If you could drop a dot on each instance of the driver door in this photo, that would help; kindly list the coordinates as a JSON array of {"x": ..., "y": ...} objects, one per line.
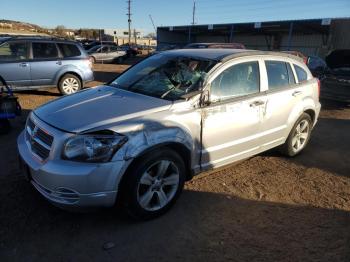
[{"x": 232, "y": 122}]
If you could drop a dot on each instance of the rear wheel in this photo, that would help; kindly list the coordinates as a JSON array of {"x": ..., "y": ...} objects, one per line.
[
  {"x": 298, "y": 137},
  {"x": 119, "y": 60},
  {"x": 154, "y": 184},
  {"x": 69, "y": 84}
]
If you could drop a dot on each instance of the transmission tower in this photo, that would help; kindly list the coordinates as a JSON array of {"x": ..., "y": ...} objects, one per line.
[{"x": 129, "y": 19}]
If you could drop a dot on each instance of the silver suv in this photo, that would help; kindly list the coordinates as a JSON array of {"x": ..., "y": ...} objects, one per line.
[{"x": 164, "y": 120}]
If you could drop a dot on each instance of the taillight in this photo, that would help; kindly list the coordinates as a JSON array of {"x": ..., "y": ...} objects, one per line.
[
  {"x": 90, "y": 61},
  {"x": 319, "y": 87},
  {"x": 305, "y": 60}
]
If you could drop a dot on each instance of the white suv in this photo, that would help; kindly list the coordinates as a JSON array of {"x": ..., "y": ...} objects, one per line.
[{"x": 167, "y": 118}]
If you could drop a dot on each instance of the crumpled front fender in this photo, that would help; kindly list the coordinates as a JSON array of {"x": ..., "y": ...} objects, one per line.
[{"x": 150, "y": 136}]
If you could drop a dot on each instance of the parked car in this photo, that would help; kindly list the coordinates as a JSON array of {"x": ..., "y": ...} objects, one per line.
[
  {"x": 91, "y": 43},
  {"x": 216, "y": 45},
  {"x": 317, "y": 66},
  {"x": 131, "y": 50},
  {"x": 336, "y": 78},
  {"x": 34, "y": 62},
  {"x": 106, "y": 54},
  {"x": 167, "y": 118}
]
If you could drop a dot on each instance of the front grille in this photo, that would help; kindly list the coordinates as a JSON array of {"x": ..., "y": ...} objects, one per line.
[{"x": 39, "y": 140}]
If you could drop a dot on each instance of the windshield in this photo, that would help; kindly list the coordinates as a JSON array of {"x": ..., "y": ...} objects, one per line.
[{"x": 165, "y": 76}]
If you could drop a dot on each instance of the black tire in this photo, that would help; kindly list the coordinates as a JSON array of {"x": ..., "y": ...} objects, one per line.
[
  {"x": 119, "y": 60},
  {"x": 131, "y": 184},
  {"x": 287, "y": 148},
  {"x": 5, "y": 126},
  {"x": 69, "y": 77}
]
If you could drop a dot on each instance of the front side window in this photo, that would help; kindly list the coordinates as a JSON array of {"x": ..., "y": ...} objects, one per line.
[
  {"x": 69, "y": 50},
  {"x": 278, "y": 74},
  {"x": 301, "y": 73},
  {"x": 13, "y": 51},
  {"x": 238, "y": 80},
  {"x": 165, "y": 76},
  {"x": 44, "y": 50}
]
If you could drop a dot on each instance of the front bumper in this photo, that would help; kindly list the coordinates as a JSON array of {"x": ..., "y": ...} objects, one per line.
[{"x": 69, "y": 184}]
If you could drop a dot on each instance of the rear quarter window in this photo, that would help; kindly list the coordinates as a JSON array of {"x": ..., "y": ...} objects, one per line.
[
  {"x": 69, "y": 50},
  {"x": 301, "y": 73}
]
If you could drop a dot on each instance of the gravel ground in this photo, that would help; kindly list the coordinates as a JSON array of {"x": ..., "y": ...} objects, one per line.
[{"x": 267, "y": 208}]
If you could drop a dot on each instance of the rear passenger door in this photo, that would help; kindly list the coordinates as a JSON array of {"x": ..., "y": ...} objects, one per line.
[
  {"x": 14, "y": 63},
  {"x": 283, "y": 94},
  {"x": 45, "y": 63}
]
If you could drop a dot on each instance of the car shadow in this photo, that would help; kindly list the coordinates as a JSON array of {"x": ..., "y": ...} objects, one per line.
[
  {"x": 329, "y": 144},
  {"x": 40, "y": 92},
  {"x": 202, "y": 226}
]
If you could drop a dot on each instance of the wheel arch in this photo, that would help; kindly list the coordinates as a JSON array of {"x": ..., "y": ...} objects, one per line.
[{"x": 177, "y": 147}]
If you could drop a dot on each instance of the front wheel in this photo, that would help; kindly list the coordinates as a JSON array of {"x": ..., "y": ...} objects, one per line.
[
  {"x": 154, "y": 184},
  {"x": 69, "y": 84},
  {"x": 298, "y": 137}
]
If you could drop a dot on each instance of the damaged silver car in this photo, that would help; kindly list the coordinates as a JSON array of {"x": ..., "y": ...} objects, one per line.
[{"x": 137, "y": 139}]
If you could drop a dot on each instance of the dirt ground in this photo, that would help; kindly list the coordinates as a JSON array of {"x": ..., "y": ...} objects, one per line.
[{"x": 267, "y": 208}]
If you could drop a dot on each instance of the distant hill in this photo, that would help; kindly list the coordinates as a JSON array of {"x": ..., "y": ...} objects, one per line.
[{"x": 10, "y": 26}]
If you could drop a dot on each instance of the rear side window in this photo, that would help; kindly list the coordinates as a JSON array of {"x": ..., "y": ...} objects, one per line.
[
  {"x": 278, "y": 74},
  {"x": 301, "y": 73},
  {"x": 69, "y": 50},
  {"x": 13, "y": 51},
  {"x": 44, "y": 50},
  {"x": 237, "y": 80}
]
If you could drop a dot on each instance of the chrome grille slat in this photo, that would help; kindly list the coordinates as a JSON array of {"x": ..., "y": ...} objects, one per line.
[{"x": 39, "y": 141}]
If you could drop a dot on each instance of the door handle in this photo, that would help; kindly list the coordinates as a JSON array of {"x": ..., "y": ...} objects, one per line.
[
  {"x": 257, "y": 103},
  {"x": 59, "y": 62},
  {"x": 297, "y": 93},
  {"x": 23, "y": 64}
]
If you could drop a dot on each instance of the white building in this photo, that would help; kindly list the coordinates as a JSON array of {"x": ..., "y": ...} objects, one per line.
[{"x": 123, "y": 33}]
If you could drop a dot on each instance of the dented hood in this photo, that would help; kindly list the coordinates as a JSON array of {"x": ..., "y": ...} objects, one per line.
[{"x": 96, "y": 107}]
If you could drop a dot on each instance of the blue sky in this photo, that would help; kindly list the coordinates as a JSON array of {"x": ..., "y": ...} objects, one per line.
[{"x": 112, "y": 13}]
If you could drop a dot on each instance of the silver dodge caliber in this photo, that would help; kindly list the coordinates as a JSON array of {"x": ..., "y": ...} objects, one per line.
[{"x": 137, "y": 139}]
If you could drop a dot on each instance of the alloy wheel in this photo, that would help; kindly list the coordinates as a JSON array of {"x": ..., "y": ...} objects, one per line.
[
  {"x": 301, "y": 135},
  {"x": 158, "y": 185},
  {"x": 70, "y": 85}
]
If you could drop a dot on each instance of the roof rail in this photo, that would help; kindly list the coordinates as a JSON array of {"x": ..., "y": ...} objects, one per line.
[{"x": 48, "y": 37}]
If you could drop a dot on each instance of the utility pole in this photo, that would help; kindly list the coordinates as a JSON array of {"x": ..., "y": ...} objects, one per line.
[
  {"x": 193, "y": 12},
  {"x": 129, "y": 19}
]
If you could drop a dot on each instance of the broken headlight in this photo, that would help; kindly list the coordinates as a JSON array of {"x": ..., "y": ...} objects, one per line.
[{"x": 92, "y": 147}]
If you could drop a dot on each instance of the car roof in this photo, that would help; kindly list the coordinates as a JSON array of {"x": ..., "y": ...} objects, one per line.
[
  {"x": 223, "y": 54},
  {"x": 194, "y": 44},
  {"x": 38, "y": 38}
]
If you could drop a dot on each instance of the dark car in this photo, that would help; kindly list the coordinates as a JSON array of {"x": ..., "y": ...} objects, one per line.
[
  {"x": 131, "y": 50},
  {"x": 317, "y": 66},
  {"x": 34, "y": 62},
  {"x": 335, "y": 84},
  {"x": 215, "y": 45}
]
